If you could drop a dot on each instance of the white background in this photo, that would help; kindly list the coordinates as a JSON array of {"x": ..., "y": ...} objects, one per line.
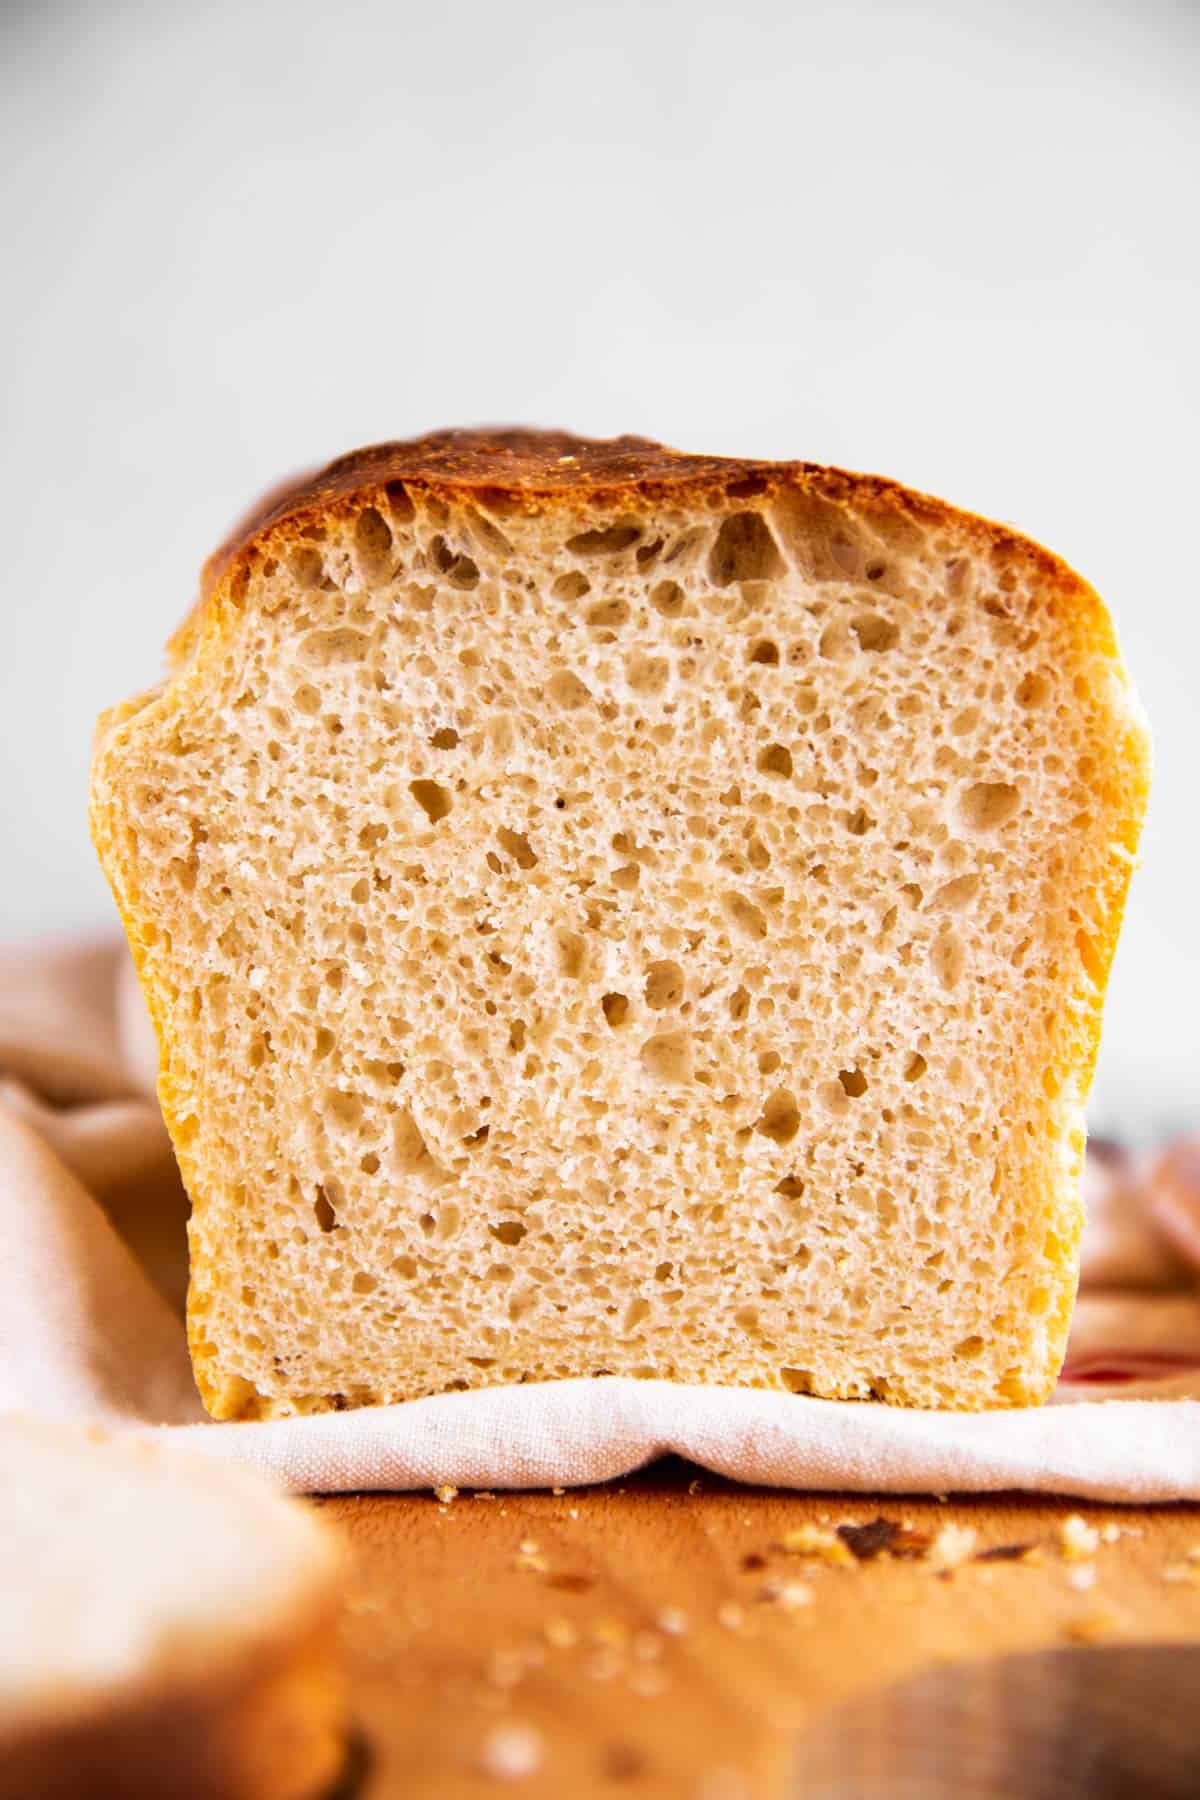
[{"x": 954, "y": 243}]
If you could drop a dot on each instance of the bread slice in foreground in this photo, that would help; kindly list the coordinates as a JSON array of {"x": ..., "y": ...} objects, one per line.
[
  {"x": 166, "y": 1626},
  {"x": 611, "y": 911}
]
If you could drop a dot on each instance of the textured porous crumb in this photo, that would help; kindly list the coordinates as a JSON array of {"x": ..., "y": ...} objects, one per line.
[{"x": 655, "y": 927}]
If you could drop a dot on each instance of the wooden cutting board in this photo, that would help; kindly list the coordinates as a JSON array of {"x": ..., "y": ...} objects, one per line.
[{"x": 641, "y": 1637}]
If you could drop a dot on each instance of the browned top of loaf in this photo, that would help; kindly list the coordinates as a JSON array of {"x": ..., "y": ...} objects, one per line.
[{"x": 511, "y": 468}]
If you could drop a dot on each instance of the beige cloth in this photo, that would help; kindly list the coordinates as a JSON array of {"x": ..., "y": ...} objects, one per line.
[{"x": 93, "y": 1264}]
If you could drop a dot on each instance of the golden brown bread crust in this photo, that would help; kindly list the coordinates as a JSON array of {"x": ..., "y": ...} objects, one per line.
[{"x": 505, "y": 468}]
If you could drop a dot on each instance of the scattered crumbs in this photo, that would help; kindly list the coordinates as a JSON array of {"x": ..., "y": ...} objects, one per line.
[
  {"x": 694, "y": 1486},
  {"x": 942, "y": 1499},
  {"x": 1186, "y": 1574},
  {"x": 731, "y": 1615},
  {"x": 505, "y": 1668},
  {"x": 1193, "y": 1555},
  {"x": 560, "y": 1633},
  {"x": 953, "y": 1546},
  {"x": 647, "y": 1683},
  {"x": 1082, "y": 1577},
  {"x": 511, "y": 1752},
  {"x": 788, "y": 1596},
  {"x": 1006, "y": 1553},
  {"x": 824, "y": 1518},
  {"x": 445, "y": 1493},
  {"x": 1077, "y": 1539},
  {"x": 1091, "y": 1627},
  {"x": 673, "y": 1620},
  {"x": 530, "y": 1558},
  {"x": 573, "y": 1513},
  {"x": 1109, "y": 1533},
  {"x": 622, "y": 1762},
  {"x": 558, "y": 1492},
  {"x": 753, "y": 1561},
  {"x": 602, "y": 1664},
  {"x": 817, "y": 1543},
  {"x": 647, "y": 1646},
  {"x": 483, "y": 1494}
]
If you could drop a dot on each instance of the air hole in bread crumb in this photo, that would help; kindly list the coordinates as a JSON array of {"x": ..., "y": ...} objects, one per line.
[
  {"x": 768, "y": 1062},
  {"x": 664, "y": 1271},
  {"x": 606, "y": 541},
  {"x": 373, "y": 542},
  {"x": 307, "y": 699},
  {"x": 445, "y": 739},
  {"x": 627, "y": 876},
  {"x": 874, "y": 632},
  {"x": 780, "y": 1120},
  {"x": 363, "y": 1283},
  {"x": 775, "y": 759},
  {"x": 664, "y": 985},
  {"x": 570, "y": 950},
  {"x": 797, "y": 1381},
  {"x": 323, "y": 1211},
  {"x": 508, "y": 1231},
  {"x": 615, "y": 1008},
  {"x": 744, "y": 550},
  {"x": 745, "y": 915},
  {"x": 915, "y": 1067},
  {"x": 369, "y": 1164},
  {"x": 608, "y": 613},
  {"x": 460, "y": 571},
  {"x": 433, "y": 799},
  {"x": 765, "y": 651},
  {"x": 345, "y": 1108},
  {"x": 567, "y": 691},
  {"x": 517, "y": 845},
  {"x": 325, "y": 1041},
  {"x": 1032, "y": 689},
  {"x": 306, "y": 567},
  {"x": 969, "y": 1347},
  {"x": 791, "y": 1187},
  {"x": 666, "y": 597},
  {"x": 738, "y": 1004},
  {"x": 635, "y": 1313},
  {"x": 859, "y": 822},
  {"x": 854, "y": 1082},
  {"x": 988, "y": 805},
  {"x": 668, "y": 1057},
  {"x": 572, "y": 586},
  {"x": 948, "y": 959}
]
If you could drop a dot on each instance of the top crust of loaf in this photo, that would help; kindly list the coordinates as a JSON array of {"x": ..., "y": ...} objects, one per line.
[{"x": 507, "y": 468}]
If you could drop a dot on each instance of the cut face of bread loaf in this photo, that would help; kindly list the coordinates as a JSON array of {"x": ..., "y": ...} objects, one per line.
[
  {"x": 166, "y": 1626},
  {"x": 608, "y": 911}
]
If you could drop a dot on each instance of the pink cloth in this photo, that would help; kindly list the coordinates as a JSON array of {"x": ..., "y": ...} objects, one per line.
[{"x": 92, "y": 1262}]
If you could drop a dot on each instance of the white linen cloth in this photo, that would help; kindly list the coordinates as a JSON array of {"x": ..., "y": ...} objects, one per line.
[{"x": 91, "y": 1271}]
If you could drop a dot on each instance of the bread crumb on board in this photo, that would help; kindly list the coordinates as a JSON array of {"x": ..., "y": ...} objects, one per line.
[
  {"x": 445, "y": 1493},
  {"x": 951, "y": 1548},
  {"x": 511, "y": 1752},
  {"x": 1077, "y": 1540}
]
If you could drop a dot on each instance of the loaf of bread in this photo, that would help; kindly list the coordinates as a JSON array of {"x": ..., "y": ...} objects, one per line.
[
  {"x": 613, "y": 911},
  {"x": 165, "y": 1627}
]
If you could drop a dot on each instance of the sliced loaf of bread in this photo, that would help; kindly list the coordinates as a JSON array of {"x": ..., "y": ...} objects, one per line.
[
  {"x": 612, "y": 911},
  {"x": 166, "y": 1626}
]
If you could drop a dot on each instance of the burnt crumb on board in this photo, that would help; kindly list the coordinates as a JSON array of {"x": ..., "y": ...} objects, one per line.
[
  {"x": 1005, "y": 1553},
  {"x": 882, "y": 1536}
]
